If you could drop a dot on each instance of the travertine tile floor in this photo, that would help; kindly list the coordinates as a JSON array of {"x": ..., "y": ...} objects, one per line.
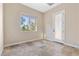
[{"x": 40, "y": 48}]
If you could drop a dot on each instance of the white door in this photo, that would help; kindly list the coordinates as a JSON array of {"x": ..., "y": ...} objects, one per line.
[
  {"x": 1, "y": 29},
  {"x": 59, "y": 26}
]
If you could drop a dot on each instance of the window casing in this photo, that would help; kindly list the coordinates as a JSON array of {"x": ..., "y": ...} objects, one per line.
[{"x": 28, "y": 23}]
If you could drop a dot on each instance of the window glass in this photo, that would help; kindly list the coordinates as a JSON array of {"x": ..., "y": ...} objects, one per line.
[{"x": 28, "y": 23}]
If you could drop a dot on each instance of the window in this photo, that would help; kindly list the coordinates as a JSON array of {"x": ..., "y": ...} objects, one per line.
[{"x": 28, "y": 23}]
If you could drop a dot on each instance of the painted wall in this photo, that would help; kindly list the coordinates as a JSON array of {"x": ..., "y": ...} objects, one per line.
[
  {"x": 71, "y": 23},
  {"x": 1, "y": 28},
  {"x": 13, "y": 33}
]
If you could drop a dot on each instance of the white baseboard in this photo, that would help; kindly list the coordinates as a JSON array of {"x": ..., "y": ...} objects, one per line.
[
  {"x": 75, "y": 46},
  {"x": 71, "y": 45},
  {"x": 20, "y": 42},
  {"x": 1, "y": 51}
]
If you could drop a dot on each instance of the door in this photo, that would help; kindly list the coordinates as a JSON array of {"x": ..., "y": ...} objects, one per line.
[{"x": 59, "y": 26}]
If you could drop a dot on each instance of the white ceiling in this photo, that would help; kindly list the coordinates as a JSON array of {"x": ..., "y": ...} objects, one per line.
[{"x": 42, "y": 7}]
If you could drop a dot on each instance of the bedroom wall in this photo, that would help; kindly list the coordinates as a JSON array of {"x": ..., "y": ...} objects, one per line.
[
  {"x": 13, "y": 34},
  {"x": 1, "y": 28},
  {"x": 71, "y": 23}
]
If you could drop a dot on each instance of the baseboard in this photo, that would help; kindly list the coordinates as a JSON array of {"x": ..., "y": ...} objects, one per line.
[
  {"x": 74, "y": 46},
  {"x": 20, "y": 42},
  {"x": 1, "y": 51},
  {"x": 71, "y": 45}
]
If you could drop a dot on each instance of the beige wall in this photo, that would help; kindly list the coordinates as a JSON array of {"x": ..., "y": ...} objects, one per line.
[
  {"x": 13, "y": 33},
  {"x": 71, "y": 23},
  {"x": 1, "y": 28}
]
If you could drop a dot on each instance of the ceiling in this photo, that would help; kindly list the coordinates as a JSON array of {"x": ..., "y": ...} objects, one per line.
[{"x": 42, "y": 7}]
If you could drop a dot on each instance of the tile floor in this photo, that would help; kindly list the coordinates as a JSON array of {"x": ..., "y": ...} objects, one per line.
[{"x": 40, "y": 48}]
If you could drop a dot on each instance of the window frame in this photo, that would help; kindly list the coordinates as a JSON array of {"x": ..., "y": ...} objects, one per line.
[{"x": 30, "y": 17}]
